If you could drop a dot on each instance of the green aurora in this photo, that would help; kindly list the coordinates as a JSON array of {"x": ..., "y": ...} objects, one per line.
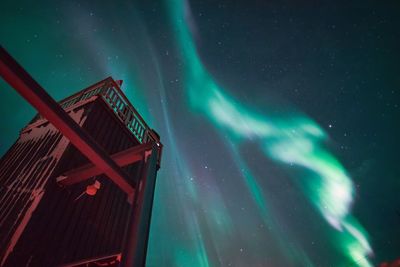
[
  {"x": 296, "y": 141},
  {"x": 241, "y": 183}
]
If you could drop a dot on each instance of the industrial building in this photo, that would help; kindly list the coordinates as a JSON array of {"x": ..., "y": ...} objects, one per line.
[{"x": 76, "y": 188}]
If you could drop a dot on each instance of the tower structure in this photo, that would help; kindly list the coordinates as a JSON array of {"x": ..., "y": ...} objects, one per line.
[{"x": 63, "y": 204}]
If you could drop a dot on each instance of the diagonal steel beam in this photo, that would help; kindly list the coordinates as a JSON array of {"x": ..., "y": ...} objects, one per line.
[
  {"x": 123, "y": 158},
  {"x": 27, "y": 87}
]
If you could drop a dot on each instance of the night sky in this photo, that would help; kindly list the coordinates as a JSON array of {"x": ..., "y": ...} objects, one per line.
[{"x": 280, "y": 120}]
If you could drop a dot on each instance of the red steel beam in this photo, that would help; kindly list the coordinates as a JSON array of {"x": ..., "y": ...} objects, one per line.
[
  {"x": 122, "y": 158},
  {"x": 137, "y": 235},
  {"x": 26, "y": 86},
  {"x": 111, "y": 260}
]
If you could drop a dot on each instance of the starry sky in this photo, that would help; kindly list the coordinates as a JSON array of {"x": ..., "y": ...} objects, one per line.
[{"x": 279, "y": 118}]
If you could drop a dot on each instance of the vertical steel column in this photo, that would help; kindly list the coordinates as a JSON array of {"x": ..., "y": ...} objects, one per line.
[{"x": 135, "y": 248}]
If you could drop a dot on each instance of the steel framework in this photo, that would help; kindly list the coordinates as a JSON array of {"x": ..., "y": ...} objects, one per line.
[{"x": 140, "y": 195}]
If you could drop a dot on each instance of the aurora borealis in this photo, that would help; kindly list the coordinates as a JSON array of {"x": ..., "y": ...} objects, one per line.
[{"x": 279, "y": 120}]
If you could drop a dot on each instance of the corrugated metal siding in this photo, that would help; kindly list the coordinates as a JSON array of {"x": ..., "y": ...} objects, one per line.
[
  {"x": 65, "y": 227},
  {"x": 23, "y": 173}
]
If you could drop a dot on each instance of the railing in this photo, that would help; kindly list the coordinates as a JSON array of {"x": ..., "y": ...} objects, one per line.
[
  {"x": 117, "y": 100},
  {"x": 126, "y": 113},
  {"x": 80, "y": 96},
  {"x": 85, "y": 95}
]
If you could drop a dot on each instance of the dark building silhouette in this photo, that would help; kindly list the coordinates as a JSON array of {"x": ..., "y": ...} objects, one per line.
[
  {"x": 59, "y": 209},
  {"x": 395, "y": 263}
]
